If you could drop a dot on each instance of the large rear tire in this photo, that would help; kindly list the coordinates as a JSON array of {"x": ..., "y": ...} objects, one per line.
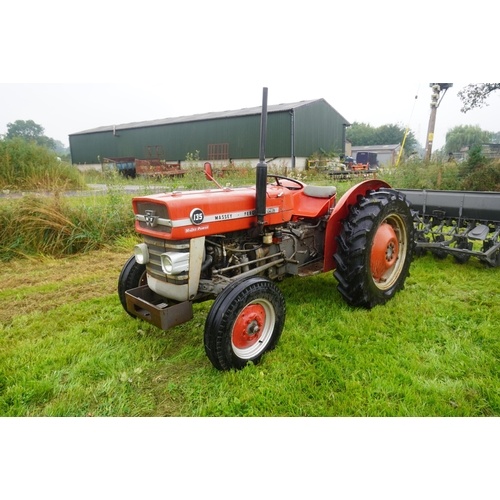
[
  {"x": 245, "y": 321},
  {"x": 132, "y": 275},
  {"x": 375, "y": 248}
]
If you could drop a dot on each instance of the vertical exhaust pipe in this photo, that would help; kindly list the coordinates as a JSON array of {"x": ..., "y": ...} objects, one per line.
[{"x": 261, "y": 180}]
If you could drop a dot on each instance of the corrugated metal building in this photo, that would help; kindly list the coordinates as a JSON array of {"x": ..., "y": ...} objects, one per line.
[
  {"x": 387, "y": 154},
  {"x": 295, "y": 130}
]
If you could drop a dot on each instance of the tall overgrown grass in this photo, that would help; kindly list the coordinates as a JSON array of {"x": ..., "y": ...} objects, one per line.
[
  {"x": 54, "y": 225},
  {"x": 28, "y": 166},
  {"x": 57, "y": 225},
  {"x": 478, "y": 173}
]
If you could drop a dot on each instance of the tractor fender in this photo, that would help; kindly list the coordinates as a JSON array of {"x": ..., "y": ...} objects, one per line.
[{"x": 340, "y": 212}]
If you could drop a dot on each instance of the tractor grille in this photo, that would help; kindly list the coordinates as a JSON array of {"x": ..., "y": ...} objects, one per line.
[
  {"x": 156, "y": 210},
  {"x": 156, "y": 247}
]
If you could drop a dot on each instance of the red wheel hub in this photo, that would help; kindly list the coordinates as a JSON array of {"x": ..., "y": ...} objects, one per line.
[
  {"x": 385, "y": 251},
  {"x": 248, "y": 326}
]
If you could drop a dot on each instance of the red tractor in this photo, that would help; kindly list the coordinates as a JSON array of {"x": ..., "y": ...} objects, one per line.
[{"x": 232, "y": 245}]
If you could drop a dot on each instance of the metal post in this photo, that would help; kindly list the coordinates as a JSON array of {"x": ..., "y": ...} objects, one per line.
[
  {"x": 432, "y": 122},
  {"x": 292, "y": 146},
  {"x": 430, "y": 134},
  {"x": 435, "y": 101},
  {"x": 261, "y": 175}
]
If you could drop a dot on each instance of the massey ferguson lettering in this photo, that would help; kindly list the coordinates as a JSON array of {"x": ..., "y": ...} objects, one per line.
[{"x": 230, "y": 216}]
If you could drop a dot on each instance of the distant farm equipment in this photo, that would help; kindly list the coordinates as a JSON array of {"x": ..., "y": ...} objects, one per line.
[
  {"x": 365, "y": 163},
  {"x": 124, "y": 166},
  {"x": 132, "y": 167},
  {"x": 158, "y": 168}
]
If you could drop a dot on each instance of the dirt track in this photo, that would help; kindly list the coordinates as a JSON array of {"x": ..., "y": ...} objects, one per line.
[{"x": 94, "y": 189}]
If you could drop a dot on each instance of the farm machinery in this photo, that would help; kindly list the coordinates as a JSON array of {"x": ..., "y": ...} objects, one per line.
[
  {"x": 365, "y": 163},
  {"x": 232, "y": 245},
  {"x": 463, "y": 224}
]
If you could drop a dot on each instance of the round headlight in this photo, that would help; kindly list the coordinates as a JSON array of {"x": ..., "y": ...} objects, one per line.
[
  {"x": 141, "y": 253},
  {"x": 166, "y": 263},
  {"x": 174, "y": 262}
]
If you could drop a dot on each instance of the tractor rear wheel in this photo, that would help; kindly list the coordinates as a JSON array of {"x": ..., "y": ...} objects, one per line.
[
  {"x": 375, "y": 248},
  {"x": 133, "y": 275},
  {"x": 245, "y": 321}
]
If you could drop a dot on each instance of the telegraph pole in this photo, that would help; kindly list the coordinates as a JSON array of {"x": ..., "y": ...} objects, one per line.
[{"x": 435, "y": 101}]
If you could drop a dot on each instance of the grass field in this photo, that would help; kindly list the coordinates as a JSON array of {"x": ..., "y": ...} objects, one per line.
[{"x": 67, "y": 348}]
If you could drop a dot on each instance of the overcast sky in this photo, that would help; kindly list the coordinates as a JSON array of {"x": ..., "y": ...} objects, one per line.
[
  {"x": 160, "y": 60},
  {"x": 66, "y": 108}
]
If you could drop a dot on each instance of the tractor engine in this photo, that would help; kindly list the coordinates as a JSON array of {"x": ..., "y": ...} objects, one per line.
[{"x": 293, "y": 245}]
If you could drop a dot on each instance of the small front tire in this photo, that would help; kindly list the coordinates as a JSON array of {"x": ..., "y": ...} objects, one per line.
[
  {"x": 133, "y": 275},
  {"x": 245, "y": 321}
]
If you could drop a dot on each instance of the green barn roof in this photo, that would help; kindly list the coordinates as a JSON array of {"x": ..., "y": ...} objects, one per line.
[{"x": 275, "y": 108}]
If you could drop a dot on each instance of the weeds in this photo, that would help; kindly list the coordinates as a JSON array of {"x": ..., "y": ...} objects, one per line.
[
  {"x": 28, "y": 166},
  {"x": 57, "y": 226},
  {"x": 60, "y": 226},
  {"x": 476, "y": 174},
  {"x": 479, "y": 172}
]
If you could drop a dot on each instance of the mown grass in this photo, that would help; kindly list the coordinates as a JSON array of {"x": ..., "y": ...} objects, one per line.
[{"x": 67, "y": 348}]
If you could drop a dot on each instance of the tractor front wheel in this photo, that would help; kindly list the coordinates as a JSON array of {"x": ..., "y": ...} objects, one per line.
[
  {"x": 375, "y": 248},
  {"x": 245, "y": 321},
  {"x": 133, "y": 275}
]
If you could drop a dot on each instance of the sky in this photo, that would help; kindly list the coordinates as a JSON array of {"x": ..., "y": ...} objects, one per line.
[
  {"x": 67, "y": 108},
  {"x": 110, "y": 63}
]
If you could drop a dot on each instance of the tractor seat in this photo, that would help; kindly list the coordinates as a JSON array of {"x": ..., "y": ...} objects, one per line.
[
  {"x": 313, "y": 202},
  {"x": 320, "y": 191}
]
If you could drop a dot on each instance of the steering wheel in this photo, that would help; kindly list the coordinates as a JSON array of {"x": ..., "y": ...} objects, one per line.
[{"x": 299, "y": 185}]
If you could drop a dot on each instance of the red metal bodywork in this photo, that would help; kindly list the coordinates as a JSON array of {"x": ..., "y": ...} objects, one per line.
[
  {"x": 340, "y": 212},
  {"x": 224, "y": 210},
  {"x": 229, "y": 210}
]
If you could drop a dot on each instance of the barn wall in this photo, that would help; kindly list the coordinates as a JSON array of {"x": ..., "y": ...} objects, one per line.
[{"x": 317, "y": 126}]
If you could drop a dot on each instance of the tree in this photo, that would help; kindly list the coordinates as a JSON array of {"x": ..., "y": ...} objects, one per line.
[
  {"x": 362, "y": 134},
  {"x": 60, "y": 148},
  {"x": 29, "y": 131},
  {"x": 466, "y": 135},
  {"x": 474, "y": 95}
]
